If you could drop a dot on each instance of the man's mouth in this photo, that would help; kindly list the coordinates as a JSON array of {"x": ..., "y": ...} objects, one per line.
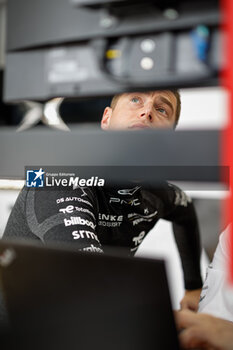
[{"x": 139, "y": 126}]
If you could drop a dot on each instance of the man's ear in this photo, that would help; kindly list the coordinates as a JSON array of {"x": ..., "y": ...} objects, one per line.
[{"x": 106, "y": 118}]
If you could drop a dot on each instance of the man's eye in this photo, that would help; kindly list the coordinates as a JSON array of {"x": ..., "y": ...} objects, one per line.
[
  {"x": 162, "y": 110},
  {"x": 135, "y": 100}
]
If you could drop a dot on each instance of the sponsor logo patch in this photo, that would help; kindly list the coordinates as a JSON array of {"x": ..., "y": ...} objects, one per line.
[
  {"x": 136, "y": 218},
  {"x": 128, "y": 191},
  {"x": 138, "y": 240},
  {"x": 70, "y": 209},
  {"x": 110, "y": 220},
  {"x": 132, "y": 202},
  {"x": 77, "y": 220},
  {"x": 73, "y": 199},
  {"x": 82, "y": 234},
  {"x": 92, "y": 249}
]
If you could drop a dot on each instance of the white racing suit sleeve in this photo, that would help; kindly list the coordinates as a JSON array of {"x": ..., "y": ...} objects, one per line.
[{"x": 217, "y": 294}]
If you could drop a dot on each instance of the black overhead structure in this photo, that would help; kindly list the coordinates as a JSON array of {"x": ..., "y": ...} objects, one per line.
[
  {"x": 86, "y": 48},
  {"x": 115, "y": 156},
  {"x": 79, "y": 48}
]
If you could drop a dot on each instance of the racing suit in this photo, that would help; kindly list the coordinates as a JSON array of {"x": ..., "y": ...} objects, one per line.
[{"x": 93, "y": 218}]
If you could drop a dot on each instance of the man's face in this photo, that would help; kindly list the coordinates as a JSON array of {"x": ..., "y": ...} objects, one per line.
[{"x": 138, "y": 110}]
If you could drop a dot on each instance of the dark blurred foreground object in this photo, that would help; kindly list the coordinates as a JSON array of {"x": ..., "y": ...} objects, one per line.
[
  {"x": 90, "y": 48},
  {"x": 61, "y": 299}
]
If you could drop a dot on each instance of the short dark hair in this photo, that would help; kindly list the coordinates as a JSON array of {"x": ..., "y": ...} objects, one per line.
[{"x": 175, "y": 92}]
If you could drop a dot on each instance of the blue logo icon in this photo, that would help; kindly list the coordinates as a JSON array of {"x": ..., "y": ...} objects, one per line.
[{"x": 35, "y": 178}]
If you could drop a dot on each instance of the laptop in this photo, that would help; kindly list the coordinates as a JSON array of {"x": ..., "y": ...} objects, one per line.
[{"x": 62, "y": 299}]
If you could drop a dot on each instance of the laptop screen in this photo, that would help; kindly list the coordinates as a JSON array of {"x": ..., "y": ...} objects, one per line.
[{"x": 61, "y": 299}]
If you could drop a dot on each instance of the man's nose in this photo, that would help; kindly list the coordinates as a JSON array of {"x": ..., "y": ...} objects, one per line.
[{"x": 147, "y": 113}]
